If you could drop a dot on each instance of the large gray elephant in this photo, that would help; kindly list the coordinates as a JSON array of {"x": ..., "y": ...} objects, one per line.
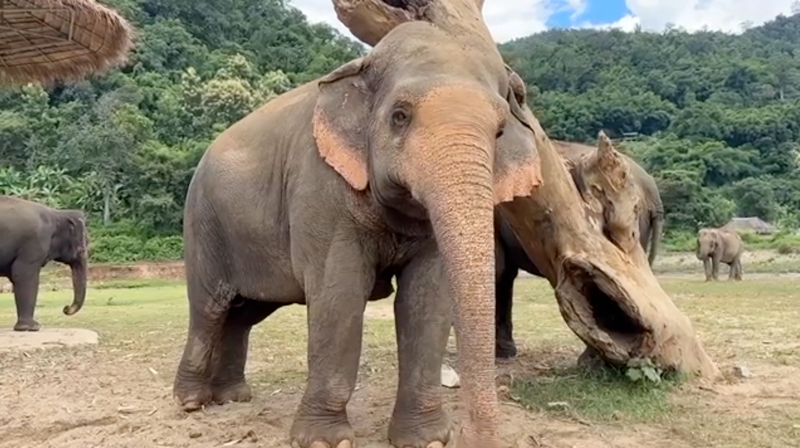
[
  {"x": 391, "y": 165},
  {"x": 511, "y": 257},
  {"x": 720, "y": 245},
  {"x": 31, "y": 235}
]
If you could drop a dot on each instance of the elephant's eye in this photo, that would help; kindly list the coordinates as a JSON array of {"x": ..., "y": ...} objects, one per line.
[
  {"x": 500, "y": 131},
  {"x": 400, "y": 117}
]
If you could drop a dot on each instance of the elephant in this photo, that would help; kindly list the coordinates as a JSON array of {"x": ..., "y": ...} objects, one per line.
[
  {"x": 32, "y": 235},
  {"x": 511, "y": 257},
  {"x": 720, "y": 245},
  {"x": 388, "y": 167}
]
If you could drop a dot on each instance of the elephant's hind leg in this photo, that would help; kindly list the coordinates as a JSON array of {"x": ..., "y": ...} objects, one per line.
[
  {"x": 228, "y": 382},
  {"x": 25, "y": 278},
  {"x": 738, "y": 273},
  {"x": 505, "y": 347},
  {"x": 207, "y": 313}
]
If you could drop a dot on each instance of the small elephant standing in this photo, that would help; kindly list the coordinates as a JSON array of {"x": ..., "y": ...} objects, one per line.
[
  {"x": 31, "y": 235},
  {"x": 511, "y": 257},
  {"x": 720, "y": 245}
]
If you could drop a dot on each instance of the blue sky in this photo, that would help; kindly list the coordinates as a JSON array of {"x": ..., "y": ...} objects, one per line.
[{"x": 509, "y": 19}]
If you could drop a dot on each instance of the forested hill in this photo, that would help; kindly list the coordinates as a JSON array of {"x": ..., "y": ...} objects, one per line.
[{"x": 719, "y": 113}]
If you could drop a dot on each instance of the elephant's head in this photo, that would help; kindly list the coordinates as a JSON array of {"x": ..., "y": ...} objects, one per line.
[
  {"x": 604, "y": 180},
  {"x": 707, "y": 242},
  {"x": 68, "y": 245},
  {"x": 429, "y": 125}
]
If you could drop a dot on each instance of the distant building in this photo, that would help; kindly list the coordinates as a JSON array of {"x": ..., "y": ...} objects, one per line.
[{"x": 751, "y": 224}]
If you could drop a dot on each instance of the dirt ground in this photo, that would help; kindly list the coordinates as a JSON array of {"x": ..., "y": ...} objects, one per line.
[{"x": 118, "y": 393}]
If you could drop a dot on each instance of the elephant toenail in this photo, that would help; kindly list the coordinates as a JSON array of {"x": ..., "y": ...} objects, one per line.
[
  {"x": 319, "y": 445},
  {"x": 345, "y": 444},
  {"x": 436, "y": 445},
  {"x": 295, "y": 444}
]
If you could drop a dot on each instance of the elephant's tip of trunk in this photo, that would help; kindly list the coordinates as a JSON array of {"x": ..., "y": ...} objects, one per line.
[{"x": 69, "y": 310}]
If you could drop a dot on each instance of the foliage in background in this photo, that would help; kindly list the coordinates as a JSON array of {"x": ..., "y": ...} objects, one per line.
[
  {"x": 717, "y": 116},
  {"x": 714, "y": 117}
]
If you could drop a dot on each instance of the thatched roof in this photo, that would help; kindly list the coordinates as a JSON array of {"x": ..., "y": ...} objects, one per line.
[
  {"x": 751, "y": 224},
  {"x": 46, "y": 40}
]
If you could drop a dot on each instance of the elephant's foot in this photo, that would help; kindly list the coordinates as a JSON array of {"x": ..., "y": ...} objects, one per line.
[
  {"x": 27, "y": 325},
  {"x": 191, "y": 397},
  {"x": 238, "y": 391},
  {"x": 433, "y": 430},
  {"x": 505, "y": 349},
  {"x": 322, "y": 431}
]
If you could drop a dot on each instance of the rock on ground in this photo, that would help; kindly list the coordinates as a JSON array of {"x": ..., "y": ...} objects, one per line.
[{"x": 45, "y": 338}]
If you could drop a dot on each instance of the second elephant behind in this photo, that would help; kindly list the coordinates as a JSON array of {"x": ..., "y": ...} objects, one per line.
[{"x": 511, "y": 257}]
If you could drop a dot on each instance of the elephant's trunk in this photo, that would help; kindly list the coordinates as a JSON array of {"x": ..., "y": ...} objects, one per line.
[
  {"x": 79, "y": 268},
  {"x": 701, "y": 252},
  {"x": 458, "y": 195}
]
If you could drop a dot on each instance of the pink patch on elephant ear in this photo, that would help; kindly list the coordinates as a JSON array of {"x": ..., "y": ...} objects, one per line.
[
  {"x": 519, "y": 180},
  {"x": 343, "y": 158}
]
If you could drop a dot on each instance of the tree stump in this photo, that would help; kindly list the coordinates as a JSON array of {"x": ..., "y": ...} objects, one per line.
[{"x": 606, "y": 291}]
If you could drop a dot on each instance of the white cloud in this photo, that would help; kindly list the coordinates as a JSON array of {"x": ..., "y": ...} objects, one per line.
[
  {"x": 509, "y": 20},
  {"x": 627, "y": 23},
  {"x": 693, "y": 15}
]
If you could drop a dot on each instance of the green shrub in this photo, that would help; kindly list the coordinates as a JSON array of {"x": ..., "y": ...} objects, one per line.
[
  {"x": 163, "y": 248},
  {"x": 126, "y": 243},
  {"x": 115, "y": 249}
]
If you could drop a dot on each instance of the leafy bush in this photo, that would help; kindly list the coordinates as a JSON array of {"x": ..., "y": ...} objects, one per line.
[{"x": 125, "y": 242}]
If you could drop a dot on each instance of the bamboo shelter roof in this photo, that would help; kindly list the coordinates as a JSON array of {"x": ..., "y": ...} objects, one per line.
[{"x": 47, "y": 40}]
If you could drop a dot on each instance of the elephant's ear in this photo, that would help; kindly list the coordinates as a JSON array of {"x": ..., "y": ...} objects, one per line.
[
  {"x": 516, "y": 165},
  {"x": 340, "y": 122}
]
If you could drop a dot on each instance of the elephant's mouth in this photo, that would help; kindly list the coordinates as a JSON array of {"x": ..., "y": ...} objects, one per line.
[{"x": 601, "y": 307}]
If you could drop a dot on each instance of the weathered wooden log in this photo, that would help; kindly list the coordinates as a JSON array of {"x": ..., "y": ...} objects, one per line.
[
  {"x": 370, "y": 20},
  {"x": 605, "y": 289}
]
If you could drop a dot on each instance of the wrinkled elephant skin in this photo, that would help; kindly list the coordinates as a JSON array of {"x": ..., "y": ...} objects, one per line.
[
  {"x": 32, "y": 235},
  {"x": 511, "y": 257},
  {"x": 390, "y": 166}
]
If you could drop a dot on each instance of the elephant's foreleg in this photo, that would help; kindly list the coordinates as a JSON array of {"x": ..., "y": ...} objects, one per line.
[
  {"x": 336, "y": 295},
  {"x": 25, "y": 278},
  {"x": 228, "y": 382},
  {"x": 422, "y": 321},
  {"x": 192, "y": 387},
  {"x": 505, "y": 347},
  {"x": 707, "y": 268},
  {"x": 715, "y": 267}
]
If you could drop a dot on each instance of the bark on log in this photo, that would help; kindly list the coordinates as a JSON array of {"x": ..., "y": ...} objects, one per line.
[
  {"x": 605, "y": 290},
  {"x": 370, "y": 20}
]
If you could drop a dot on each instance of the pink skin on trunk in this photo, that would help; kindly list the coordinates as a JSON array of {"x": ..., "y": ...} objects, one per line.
[{"x": 449, "y": 169}]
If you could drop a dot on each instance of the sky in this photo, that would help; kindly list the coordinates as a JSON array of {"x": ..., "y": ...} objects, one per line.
[{"x": 510, "y": 19}]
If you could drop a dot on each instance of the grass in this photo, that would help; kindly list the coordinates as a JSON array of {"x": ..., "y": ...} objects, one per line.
[
  {"x": 755, "y": 322},
  {"x": 598, "y": 394}
]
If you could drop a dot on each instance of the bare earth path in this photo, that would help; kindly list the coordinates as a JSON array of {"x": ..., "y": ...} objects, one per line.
[{"x": 118, "y": 393}]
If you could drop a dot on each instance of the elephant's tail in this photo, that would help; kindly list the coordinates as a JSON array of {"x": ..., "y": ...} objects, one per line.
[{"x": 657, "y": 225}]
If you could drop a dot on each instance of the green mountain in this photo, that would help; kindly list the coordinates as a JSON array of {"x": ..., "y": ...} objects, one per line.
[{"x": 716, "y": 116}]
